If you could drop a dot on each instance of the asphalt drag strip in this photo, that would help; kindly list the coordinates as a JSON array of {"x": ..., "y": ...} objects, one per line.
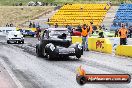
[{"x": 34, "y": 72}]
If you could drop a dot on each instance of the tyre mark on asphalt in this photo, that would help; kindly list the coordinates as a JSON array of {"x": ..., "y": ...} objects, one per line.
[
  {"x": 22, "y": 76},
  {"x": 72, "y": 69},
  {"x": 88, "y": 62}
]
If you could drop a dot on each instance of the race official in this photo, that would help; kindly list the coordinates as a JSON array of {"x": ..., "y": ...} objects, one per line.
[
  {"x": 123, "y": 35},
  {"x": 84, "y": 34}
]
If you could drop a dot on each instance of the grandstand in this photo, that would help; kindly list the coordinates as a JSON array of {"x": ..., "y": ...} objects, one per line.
[
  {"x": 75, "y": 14},
  {"x": 123, "y": 15}
]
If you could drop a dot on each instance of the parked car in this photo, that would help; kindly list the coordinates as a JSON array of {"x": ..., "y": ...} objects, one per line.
[
  {"x": 15, "y": 37},
  {"x": 76, "y": 32},
  {"x": 57, "y": 43},
  {"x": 27, "y": 32}
]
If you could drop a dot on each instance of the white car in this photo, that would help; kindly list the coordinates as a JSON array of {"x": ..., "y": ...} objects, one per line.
[{"x": 15, "y": 37}]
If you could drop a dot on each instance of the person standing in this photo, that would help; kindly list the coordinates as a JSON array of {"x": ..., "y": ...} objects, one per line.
[
  {"x": 69, "y": 29},
  {"x": 56, "y": 25},
  {"x": 84, "y": 34},
  {"x": 91, "y": 29},
  {"x": 101, "y": 35},
  {"x": 130, "y": 32},
  {"x": 116, "y": 33},
  {"x": 34, "y": 26},
  {"x": 30, "y": 25},
  {"x": 123, "y": 34}
]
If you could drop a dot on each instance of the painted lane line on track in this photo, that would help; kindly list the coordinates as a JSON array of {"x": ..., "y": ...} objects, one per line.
[{"x": 17, "y": 82}]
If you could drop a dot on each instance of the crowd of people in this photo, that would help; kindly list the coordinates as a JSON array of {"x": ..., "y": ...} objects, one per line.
[
  {"x": 9, "y": 25},
  {"x": 88, "y": 30}
]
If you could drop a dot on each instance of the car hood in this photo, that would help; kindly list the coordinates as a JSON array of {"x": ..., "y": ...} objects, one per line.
[{"x": 14, "y": 36}]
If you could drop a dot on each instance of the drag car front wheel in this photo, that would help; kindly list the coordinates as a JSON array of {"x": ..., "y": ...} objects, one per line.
[
  {"x": 49, "y": 57},
  {"x": 22, "y": 42},
  {"x": 78, "y": 56},
  {"x": 8, "y": 42}
]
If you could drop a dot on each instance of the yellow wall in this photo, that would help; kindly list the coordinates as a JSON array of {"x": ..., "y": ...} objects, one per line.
[
  {"x": 76, "y": 39},
  {"x": 96, "y": 44},
  {"x": 100, "y": 44},
  {"x": 124, "y": 50}
]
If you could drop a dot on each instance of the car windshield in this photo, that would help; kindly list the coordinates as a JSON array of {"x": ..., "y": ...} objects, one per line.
[
  {"x": 14, "y": 33},
  {"x": 59, "y": 32}
]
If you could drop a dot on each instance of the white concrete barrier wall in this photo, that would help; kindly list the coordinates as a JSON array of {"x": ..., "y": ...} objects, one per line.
[{"x": 5, "y": 30}]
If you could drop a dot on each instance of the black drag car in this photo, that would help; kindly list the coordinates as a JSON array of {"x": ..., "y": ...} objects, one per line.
[{"x": 57, "y": 43}]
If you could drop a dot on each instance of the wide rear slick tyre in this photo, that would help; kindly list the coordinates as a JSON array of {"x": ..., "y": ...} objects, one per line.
[
  {"x": 78, "y": 56},
  {"x": 78, "y": 53}
]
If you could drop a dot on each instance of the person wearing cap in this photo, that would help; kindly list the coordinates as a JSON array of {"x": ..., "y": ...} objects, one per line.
[
  {"x": 101, "y": 35},
  {"x": 56, "y": 25},
  {"x": 84, "y": 34},
  {"x": 123, "y": 34}
]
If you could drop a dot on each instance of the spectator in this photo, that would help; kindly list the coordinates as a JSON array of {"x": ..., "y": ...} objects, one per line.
[
  {"x": 11, "y": 25},
  {"x": 38, "y": 26},
  {"x": 106, "y": 29},
  {"x": 56, "y": 25},
  {"x": 95, "y": 28},
  {"x": 116, "y": 33},
  {"x": 48, "y": 20},
  {"x": 7, "y": 25},
  {"x": 101, "y": 35},
  {"x": 46, "y": 4},
  {"x": 34, "y": 26},
  {"x": 123, "y": 35},
  {"x": 91, "y": 29},
  {"x": 119, "y": 24},
  {"x": 130, "y": 31},
  {"x": 105, "y": 8},
  {"x": 103, "y": 27},
  {"x": 84, "y": 34},
  {"x": 67, "y": 25},
  {"x": 30, "y": 25},
  {"x": 69, "y": 28},
  {"x": 20, "y": 4},
  {"x": 126, "y": 24},
  {"x": 114, "y": 24},
  {"x": 79, "y": 27},
  {"x": 38, "y": 33}
]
